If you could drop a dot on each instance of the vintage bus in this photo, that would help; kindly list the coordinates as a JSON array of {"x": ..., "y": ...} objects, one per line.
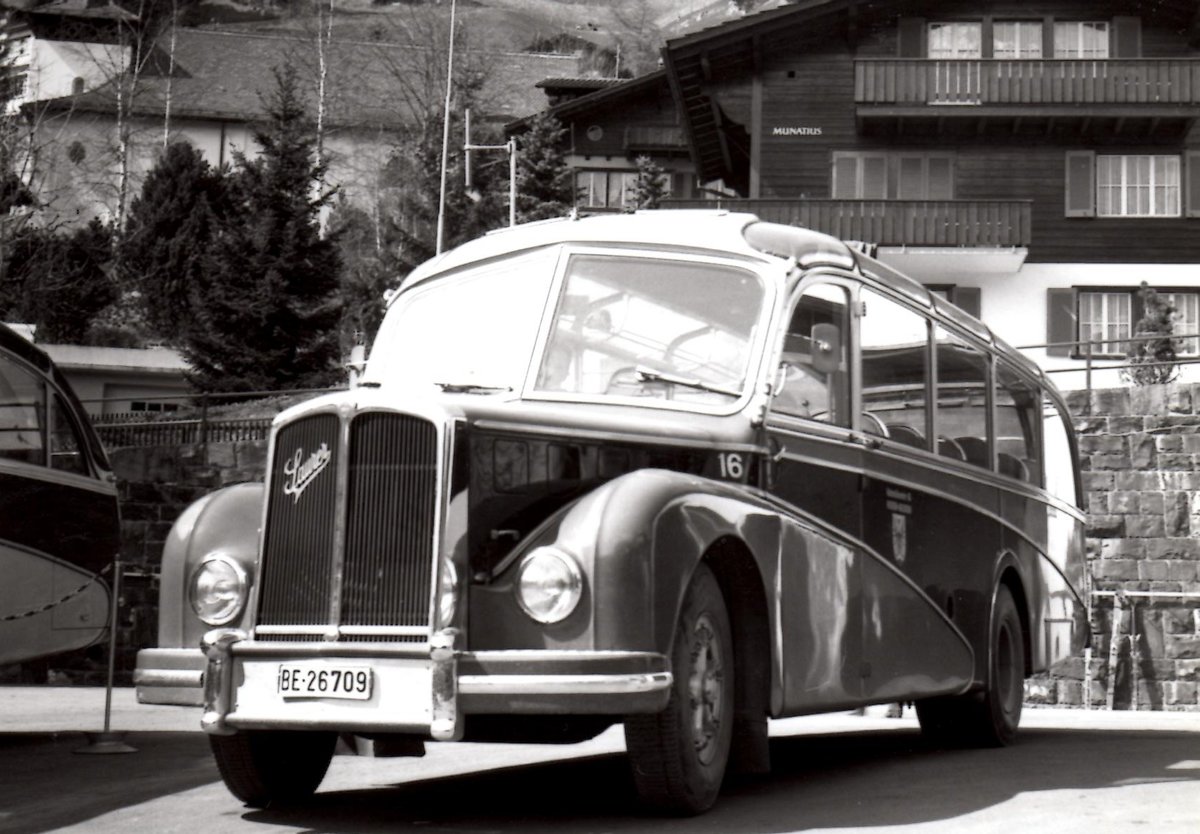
[
  {"x": 684, "y": 470},
  {"x": 59, "y": 524}
]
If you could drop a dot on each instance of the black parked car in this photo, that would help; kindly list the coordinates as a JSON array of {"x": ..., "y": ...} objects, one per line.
[{"x": 59, "y": 524}]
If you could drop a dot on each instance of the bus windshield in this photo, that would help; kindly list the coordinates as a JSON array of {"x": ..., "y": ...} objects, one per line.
[
  {"x": 653, "y": 328},
  {"x": 656, "y": 328}
]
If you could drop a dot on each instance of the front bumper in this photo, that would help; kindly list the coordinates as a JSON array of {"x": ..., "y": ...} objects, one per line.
[{"x": 425, "y": 689}]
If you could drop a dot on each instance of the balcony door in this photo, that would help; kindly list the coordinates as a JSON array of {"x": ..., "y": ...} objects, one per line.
[{"x": 955, "y": 50}]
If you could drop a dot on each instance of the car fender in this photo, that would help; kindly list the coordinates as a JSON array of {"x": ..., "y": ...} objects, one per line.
[
  {"x": 227, "y": 521},
  {"x": 638, "y": 539}
]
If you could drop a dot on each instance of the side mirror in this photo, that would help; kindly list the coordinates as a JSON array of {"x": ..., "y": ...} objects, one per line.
[{"x": 826, "y": 348}]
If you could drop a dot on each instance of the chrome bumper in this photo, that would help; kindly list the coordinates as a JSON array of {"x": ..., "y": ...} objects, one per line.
[
  {"x": 426, "y": 689},
  {"x": 170, "y": 676}
]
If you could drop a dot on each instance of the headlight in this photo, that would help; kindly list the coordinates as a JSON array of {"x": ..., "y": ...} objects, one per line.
[
  {"x": 447, "y": 593},
  {"x": 549, "y": 584},
  {"x": 217, "y": 591}
]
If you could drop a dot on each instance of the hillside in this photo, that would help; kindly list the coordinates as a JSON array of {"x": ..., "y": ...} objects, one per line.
[{"x": 635, "y": 28}]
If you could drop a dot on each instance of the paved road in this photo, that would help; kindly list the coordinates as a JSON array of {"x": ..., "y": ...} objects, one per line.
[{"x": 1070, "y": 772}]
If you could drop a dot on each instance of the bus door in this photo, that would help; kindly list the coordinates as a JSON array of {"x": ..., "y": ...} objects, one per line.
[
  {"x": 921, "y": 502},
  {"x": 816, "y": 466}
]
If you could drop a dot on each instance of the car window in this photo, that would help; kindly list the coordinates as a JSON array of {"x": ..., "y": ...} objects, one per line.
[
  {"x": 653, "y": 328},
  {"x": 804, "y": 390},
  {"x": 66, "y": 453},
  {"x": 895, "y": 345},
  {"x": 22, "y": 410}
]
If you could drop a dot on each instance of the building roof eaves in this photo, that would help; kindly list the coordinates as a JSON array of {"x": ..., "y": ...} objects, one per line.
[{"x": 593, "y": 99}]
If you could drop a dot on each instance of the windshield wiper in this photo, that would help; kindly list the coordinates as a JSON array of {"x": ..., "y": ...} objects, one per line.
[
  {"x": 650, "y": 375},
  {"x": 470, "y": 388}
]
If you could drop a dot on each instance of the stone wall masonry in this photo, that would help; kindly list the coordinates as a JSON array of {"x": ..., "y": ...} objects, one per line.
[{"x": 1140, "y": 455}]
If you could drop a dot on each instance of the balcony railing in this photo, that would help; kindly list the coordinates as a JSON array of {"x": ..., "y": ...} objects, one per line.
[
  {"x": 1000, "y": 81},
  {"x": 894, "y": 222}
]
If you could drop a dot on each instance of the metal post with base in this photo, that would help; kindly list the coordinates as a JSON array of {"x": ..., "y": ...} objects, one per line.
[{"x": 108, "y": 741}]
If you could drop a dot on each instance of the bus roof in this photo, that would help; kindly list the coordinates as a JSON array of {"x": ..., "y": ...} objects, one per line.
[{"x": 710, "y": 230}]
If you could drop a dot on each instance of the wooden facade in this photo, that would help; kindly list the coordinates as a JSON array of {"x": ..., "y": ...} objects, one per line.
[{"x": 807, "y": 85}]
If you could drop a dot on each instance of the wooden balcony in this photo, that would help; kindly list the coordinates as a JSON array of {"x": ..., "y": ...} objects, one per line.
[
  {"x": 1153, "y": 90},
  {"x": 934, "y": 223}
]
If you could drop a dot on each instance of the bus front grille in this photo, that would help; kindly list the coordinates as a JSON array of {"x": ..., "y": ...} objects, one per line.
[{"x": 382, "y": 563}]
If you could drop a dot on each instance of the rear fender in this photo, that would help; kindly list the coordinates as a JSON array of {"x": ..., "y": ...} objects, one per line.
[{"x": 226, "y": 521}]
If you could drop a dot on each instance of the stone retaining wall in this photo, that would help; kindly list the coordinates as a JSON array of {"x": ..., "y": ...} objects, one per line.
[{"x": 1139, "y": 451}]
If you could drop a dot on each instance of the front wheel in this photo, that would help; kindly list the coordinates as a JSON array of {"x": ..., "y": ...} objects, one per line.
[
  {"x": 990, "y": 718},
  {"x": 678, "y": 756},
  {"x": 262, "y": 767}
]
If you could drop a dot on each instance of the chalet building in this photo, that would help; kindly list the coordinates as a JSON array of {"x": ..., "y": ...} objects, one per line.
[{"x": 1033, "y": 161}]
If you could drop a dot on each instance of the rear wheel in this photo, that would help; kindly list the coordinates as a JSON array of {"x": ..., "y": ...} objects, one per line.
[
  {"x": 990, "y": 718},
  {"x": 678, "y": 756},
  {"x": 263, "y": 767}
]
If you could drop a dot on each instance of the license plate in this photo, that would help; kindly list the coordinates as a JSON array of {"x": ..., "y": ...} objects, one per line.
[{"x": 319, "y": 680}]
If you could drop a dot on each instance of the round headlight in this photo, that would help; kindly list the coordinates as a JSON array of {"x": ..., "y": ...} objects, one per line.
[
  {"x": 549, "y": 584},
  {"x": 218, "y": 589},
  {"x": 447, "y": 593}
]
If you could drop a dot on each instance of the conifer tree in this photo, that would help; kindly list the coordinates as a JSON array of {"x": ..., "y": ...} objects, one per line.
[
  {"x": 1152, "y": 360},
  {"x": 650, "y": 187},
  {"x": 172, "y": 226},
  {"x": 545, "y": 183},
  {"x": 267, "y": 305}
]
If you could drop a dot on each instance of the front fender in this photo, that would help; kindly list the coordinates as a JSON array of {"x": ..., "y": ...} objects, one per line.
[
  {"x": 638, "y": 539},
  {"x": 226, "y": 520}
]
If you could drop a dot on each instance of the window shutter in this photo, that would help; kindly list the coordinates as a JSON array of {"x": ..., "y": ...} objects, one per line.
[
  {"x": 1126, "y": 39},
  {"x": 967, "y": 299},
  {"x": 1060, "y": 321},
  {"x": 1191, "y": 171},
  {"x": 1081, "y": 184},
  {"x": 912, "y": 37}
]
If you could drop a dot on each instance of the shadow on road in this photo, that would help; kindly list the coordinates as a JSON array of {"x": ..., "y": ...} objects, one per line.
[
  {"x": 44, "y": 785},
  {"x": 834, "y": 781},
  {"x": 823, "y": 781}
]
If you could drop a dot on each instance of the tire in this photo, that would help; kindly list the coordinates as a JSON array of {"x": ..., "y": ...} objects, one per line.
[
  {"x": 275, "y": 767},
  {"x": 989, "y": 718},
  {"x": 678, "y": 756}
]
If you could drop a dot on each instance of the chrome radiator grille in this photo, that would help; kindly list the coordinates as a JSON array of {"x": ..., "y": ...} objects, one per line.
[
  {"x": 384, "y": 570},
  {"x": 390, "y": 521}
]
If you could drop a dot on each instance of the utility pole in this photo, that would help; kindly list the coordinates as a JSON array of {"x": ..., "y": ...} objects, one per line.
[
  {"x": 510, "y": 146},
  {"x": 441, "y": 220}
]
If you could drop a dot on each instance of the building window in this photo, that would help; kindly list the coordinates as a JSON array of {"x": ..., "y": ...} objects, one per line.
[
  {"x": 1081, "y": 39},
  {"x": 1137, "y": 186},
  {"x": 1017, "y": 39},
  {"x": 1105, "y": 317},
  {"x": 892, "y": 176},
  {"x": 609, "y": 189},
  {"x": 1186, "y": 321},
  {"x": 955, "y": 40}
]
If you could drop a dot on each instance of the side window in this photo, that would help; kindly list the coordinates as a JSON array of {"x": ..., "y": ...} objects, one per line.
[
  {"x": 22, "y": 411},
  {"x": 962, "y": 403},
  {"x": 66, "y": 452},
  {"x": 895, "y": 348},
  {"x": 1060, "y": 469},
  {"x": 813, "y": 380},
  {"x": 1018, "y": 402}
]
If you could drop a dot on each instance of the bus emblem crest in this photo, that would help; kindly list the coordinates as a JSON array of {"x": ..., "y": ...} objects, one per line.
[
  {"x": 299, "y": 472},
  {"x": 899, "y": 537}
]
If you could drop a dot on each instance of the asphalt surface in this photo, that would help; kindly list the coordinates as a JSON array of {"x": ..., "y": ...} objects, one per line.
[{"x": 1071, "y": 771}]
